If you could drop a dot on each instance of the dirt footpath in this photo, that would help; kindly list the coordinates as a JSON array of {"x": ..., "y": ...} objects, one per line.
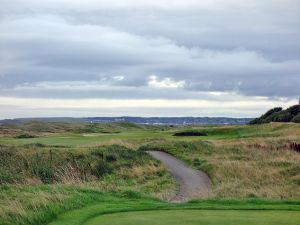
[{"x": 193, "y": 183}]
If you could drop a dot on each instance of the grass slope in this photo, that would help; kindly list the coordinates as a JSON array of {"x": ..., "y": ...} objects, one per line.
[
  {"x": 196, "y": 217},
  {"x": 134, "y": 209}
]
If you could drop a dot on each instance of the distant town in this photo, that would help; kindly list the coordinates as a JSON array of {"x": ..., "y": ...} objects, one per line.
[{"x": 176, "y": 121}]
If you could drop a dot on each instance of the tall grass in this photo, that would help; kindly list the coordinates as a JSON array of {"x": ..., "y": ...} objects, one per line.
[
  {"x": 54, "y": 165},
  {"x": 38, "y": 182},
  {"x": 241, "y": 170},
  {"x": 39, "y": 204}
]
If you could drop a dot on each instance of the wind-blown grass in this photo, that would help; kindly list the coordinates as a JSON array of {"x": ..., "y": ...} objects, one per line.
[
  {"x": 240, "y": 171},
  {"x": 70, "y": 166}
]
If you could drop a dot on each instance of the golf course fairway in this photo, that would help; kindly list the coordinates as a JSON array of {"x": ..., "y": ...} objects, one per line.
[{"x": 193, "y": 217}]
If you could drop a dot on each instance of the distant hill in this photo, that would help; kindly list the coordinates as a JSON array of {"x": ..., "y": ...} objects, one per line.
[
  {"x": 139, "y": 120},
  {"x": 277, "y": 114}
]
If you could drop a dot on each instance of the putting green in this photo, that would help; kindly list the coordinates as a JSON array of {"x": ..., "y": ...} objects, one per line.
[{"x": 199, "y": 217}]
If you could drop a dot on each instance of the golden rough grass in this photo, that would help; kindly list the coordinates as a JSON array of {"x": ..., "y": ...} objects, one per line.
[
  {"x": 12, "y": 207},
  {"x": 126, "y": 143},
  {"x": 69, "y": 175},
  {"x": 265, "y": 172},
  {"x": 151, "y": 179},
  {"x": 141, "y": 171},
  {"x": 20, "y": 203}
]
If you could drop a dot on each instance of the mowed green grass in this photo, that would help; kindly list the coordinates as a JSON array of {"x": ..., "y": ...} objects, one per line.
[
  {"x": 143, "y": 211},
  {"x": 71, "y": 139},
  {"x": 198, "y": 217},
  {"x": 141, "y": 135}
]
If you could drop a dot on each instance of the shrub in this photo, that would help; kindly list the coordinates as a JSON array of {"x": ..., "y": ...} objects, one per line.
[
  {"x": 291, "y": 114},
  {"x": 271, "y": 111},
  {"x": 294, "y": 110},
  {"x": 283, "y": 116},
  {"x": 296, "y": 119}
]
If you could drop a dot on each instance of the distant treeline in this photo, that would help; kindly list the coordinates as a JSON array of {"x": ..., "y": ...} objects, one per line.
[{"x": 291, "y": 114}]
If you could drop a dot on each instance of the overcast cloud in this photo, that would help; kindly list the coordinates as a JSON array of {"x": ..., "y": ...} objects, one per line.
[{"x": 211, "y": 51}]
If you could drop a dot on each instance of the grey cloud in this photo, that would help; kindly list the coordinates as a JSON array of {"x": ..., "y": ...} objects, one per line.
[
  {"x": 250, "y": 48},
  {"x": 213, "y": 30}
]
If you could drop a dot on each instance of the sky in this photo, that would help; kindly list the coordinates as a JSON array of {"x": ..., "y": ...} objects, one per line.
[{"x": 79, "y": 58}]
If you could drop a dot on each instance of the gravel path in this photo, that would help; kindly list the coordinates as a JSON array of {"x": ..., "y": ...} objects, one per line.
[{"x": 193, "y": 183}]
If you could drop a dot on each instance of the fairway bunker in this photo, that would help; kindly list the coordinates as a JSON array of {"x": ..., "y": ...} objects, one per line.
[{"x": 192, "y": 133}]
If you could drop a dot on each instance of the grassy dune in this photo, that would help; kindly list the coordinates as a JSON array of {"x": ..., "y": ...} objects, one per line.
[
  {"x": 38, "y": 182},
  {"x": 49, "y": 168}
]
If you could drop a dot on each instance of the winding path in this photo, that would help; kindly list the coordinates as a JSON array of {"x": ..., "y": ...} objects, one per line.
[{"x": 193, "y": 183}]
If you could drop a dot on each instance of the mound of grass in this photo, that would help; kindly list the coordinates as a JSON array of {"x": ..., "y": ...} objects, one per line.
[
  {"x": 39, "y": 182},
  {"x": 228, "y": 132},
  {"x": 44, "y": 128},
  {"x": 50, "y": 165}
]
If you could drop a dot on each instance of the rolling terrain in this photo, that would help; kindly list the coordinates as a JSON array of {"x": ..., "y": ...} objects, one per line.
[{"x": 50, "y": 169}]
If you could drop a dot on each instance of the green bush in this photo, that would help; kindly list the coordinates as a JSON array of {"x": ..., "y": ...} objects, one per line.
[
  {"x": 271, "y": 111},
  {"x": 294, "y": 110},
  {"x": 283, "y": 116},
  {"x": 296, "y": 119},
  {"x": 279, "y": 115}
]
